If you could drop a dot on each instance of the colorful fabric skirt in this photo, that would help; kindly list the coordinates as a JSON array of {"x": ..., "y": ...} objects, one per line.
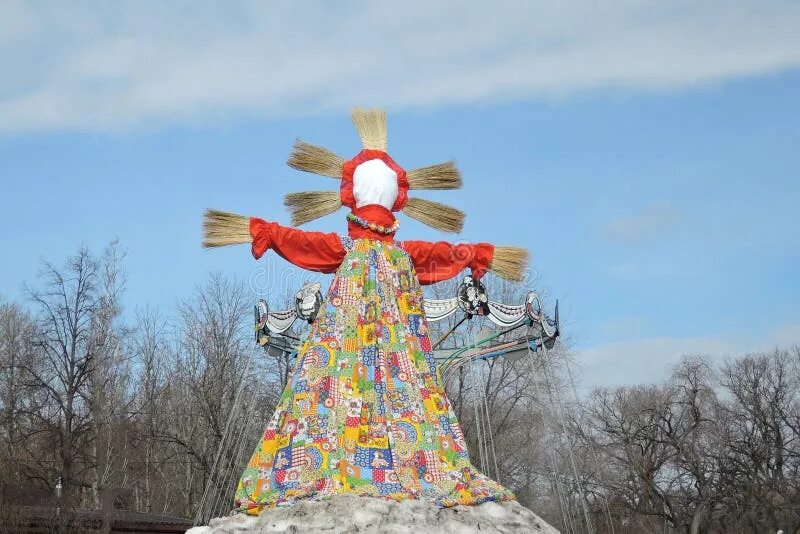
[{"x": 365, "y": 411}]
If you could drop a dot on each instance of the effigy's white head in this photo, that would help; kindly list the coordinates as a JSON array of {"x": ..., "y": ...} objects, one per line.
[
  {"x": 374, "y": 182},
  {"x": 372, "y": 178}
]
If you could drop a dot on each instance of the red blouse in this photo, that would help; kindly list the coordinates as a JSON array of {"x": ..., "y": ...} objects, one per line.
[
  {"x": 315, "y": 251},
  {"x": 324, "y": 252},
  {"x": 439, "y": 261}
]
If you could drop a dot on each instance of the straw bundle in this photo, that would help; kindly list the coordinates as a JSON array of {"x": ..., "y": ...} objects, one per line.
[
  {"x": 371, "y": 127},
  {"x": 509, "y": 263},
  {"x": 311, "y": 158},
  {"x": 311, "y": 205},
  {"x": 435, "y": 215},
  {"x": 221, "y": 228},
  {"x": 441, "y": 176}
]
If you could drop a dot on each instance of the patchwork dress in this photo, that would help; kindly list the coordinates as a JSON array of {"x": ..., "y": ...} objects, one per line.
[{"x": 365, "y": 410}]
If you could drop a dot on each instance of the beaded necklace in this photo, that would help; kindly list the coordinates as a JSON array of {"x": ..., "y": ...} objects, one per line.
[{"x": 373, "y": 226}]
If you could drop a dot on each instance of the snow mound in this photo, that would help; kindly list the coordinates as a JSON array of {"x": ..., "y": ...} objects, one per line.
[{"x": 370, "y": 515}]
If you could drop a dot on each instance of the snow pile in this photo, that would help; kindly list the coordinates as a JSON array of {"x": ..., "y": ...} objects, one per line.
[{"x": 349, "y": 513}]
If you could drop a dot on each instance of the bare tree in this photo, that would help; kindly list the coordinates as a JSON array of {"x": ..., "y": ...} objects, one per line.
[
  {"x": 762, "y": 436},
  {"x": 76, "y": 309},
  {"x": 16, "y": 353},
  {"x": 215, "y": 393},
  {"x": 149, "y": 348}
]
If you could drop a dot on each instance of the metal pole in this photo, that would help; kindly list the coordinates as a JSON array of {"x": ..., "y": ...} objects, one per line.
[{"x": 439, "y": 342}]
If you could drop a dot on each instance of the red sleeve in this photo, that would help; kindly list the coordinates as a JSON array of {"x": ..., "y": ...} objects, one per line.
[
  {"x": 315, "y": 251},
  {"x": 439, "y": 261}
]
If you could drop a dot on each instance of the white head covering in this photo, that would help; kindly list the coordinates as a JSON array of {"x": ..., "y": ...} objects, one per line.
[{"x": 374, "y": 182}]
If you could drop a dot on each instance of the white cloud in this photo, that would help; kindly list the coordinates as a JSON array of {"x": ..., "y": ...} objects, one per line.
[
  {"x": 651, "y": 360},
  {"x": 97, "y": 65}
]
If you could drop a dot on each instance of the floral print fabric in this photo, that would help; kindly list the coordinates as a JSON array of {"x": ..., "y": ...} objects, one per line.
[{"x": 365, "y": 411}]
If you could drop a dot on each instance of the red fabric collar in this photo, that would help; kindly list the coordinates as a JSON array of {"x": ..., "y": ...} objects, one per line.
[
  {"x": 346, "y": 189},
  {"x": 373, "y": 213}
]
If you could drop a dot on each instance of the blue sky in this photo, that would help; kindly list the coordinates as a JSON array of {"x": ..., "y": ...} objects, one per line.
[{"x": 648, "y": 163}]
